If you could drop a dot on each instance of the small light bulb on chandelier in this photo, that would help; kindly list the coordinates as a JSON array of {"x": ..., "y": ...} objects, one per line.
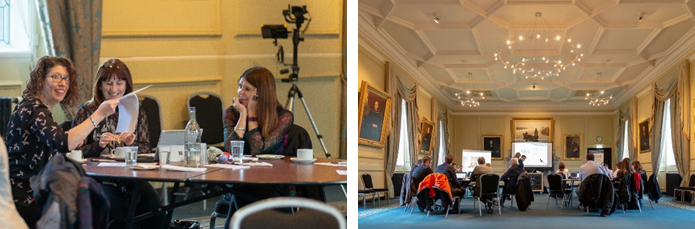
[
  {"x": 538, "y": 35},
  {"x": 579, "y": 46},
  {"x": 569, "y": 40},
  {"x": 521, "y": 38},
  {"x": 509, "y": 42},
  {"x": 468, "y": 92},
  {"x": 557, "y": 38},
  {"x": 602, "y": 92}
]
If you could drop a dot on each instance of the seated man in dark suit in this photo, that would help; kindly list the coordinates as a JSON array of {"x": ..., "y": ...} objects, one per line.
[
  {"x": 450, "y": 173},
  {"x": 420, "y": 172}
]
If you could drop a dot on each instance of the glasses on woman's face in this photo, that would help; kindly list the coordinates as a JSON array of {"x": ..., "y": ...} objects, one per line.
[{"x": 58, "y": 78}]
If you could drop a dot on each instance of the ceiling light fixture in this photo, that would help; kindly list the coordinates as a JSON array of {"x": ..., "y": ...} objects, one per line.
[
  {"x": 533, "y": 52},
  {"x": 598, "y": 97},
  {"x": 640, "y": 16},
  {"x": 469, "y": 97}
]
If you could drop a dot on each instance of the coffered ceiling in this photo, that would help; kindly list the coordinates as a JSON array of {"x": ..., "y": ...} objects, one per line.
[{"x": 628, "y": 53}]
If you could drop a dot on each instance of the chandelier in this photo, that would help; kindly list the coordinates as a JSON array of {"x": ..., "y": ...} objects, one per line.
[
  {"x": 598, "y": 98},
  {"x": 543, "y": 50},
  {"x": 469, "y": 97}
]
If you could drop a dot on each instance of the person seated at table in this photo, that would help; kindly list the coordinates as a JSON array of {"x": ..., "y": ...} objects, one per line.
[
  {"x": 256, "y": 116},
  {"x": 625, "y": 168},
  {"x": 510, "y": 177},
  {"x": 418, "y": 163},
  {"x": 609, "y": 171},
  {"x": 480, "y": 169},
  {"x": 113, "y": 81},
  {"x": 517, "y": 156},
  {"x": 564, "y": 172},
  {"x": 450, "y": 172},
  {"x": 33, "y": 136},
  {"x": 617, "y": 169},
  {"x": 643, "y": 175},
  {"x": 590, "y": 167},
  {"x": 420, "y": 172}
]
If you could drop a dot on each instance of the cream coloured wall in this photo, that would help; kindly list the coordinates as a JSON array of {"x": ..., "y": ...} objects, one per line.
[
  {"x": 469, "y": 129},
  {"x": 371, "y": 159},
  {"x": 184, "y": 47}
]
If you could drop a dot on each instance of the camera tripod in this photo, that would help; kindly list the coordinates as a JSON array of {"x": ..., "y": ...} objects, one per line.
[{"x": 298, "y": 19}]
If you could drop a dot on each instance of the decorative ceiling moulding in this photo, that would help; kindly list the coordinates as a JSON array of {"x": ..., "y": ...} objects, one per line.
[
  {"x": 629, "y": 53},
  {"x": 372, "y": 36}
]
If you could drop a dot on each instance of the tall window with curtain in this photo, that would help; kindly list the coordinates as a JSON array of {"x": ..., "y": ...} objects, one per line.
[
  {"x": 668, "y": 161},
  {"x": 625, "y": 151},
  {"x": 403, "y": 163},
  {"x": 441, "y": 142}
]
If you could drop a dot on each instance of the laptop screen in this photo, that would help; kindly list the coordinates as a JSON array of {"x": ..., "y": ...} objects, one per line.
[
  {"x": 461, "y": 175},
  {"x": 175, "y": 140}
]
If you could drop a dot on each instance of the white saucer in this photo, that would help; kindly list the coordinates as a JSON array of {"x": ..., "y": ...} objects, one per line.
[
  {"x": 80, "y": 160},
  {"x": 246, "y": 159},
  {"x": 270, "y": 156},
  {"x": 302, "y": 161}
]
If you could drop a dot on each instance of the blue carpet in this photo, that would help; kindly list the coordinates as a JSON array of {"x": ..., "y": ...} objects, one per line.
[{"x": 662, "y": 216}]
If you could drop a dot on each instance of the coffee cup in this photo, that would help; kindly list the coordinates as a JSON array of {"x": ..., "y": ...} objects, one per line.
[
  {"x": 120, "y": 152},
  {"x": 305, "y": 154},
  {"x": 75, "y": 155}
]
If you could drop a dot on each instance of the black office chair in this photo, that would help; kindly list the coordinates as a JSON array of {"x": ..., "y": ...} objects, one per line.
[
  {"x": 210, "y": 104},
  {"x": 367, "y": 182},
  {"x": 557, "y": 188},
  {"x": 154, "y": 119},
  {"x": 489, "y": 187},
  {"x": 297, "y": 138}
]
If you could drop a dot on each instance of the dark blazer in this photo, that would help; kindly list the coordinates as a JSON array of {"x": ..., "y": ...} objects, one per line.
[
  {"x": 510, "y": 177},
  {"x": 524, "y": 194},
  {"x": 653, "y": 189},
  {"x": 450, "y": 173},
  {"x": 597, "y": 190},
  {"x": 419, "y": 174}
]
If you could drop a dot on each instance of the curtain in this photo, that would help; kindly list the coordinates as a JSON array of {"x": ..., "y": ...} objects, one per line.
[
  {"x": 627, "y": 118},
  {"x": 675, "y": 86},
  {"x": 442, "y": 122},
  {"x": 400, "y": 90},
  {"x": 72, "y": 28},
  {"x": 343, "y": 108}
]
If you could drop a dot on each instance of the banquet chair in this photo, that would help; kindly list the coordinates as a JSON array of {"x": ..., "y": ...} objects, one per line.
[
  {"x": 367, "y": 182},
  {"x": 628, "y": 193},
  {"x": 489, "y": 187},
  {"x": 683, "y": 189},
  {"x": 210, "y": 104},
  {"x": 557, "y": 187},
  {"x": 154, "y": 118},
  {"x": 311, "y": 214}
]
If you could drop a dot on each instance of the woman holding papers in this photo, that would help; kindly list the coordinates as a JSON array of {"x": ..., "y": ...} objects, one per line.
[
  {"x": 33, "y": 137},
  {"x": 113, "y": 81},
  {"x": 256, "y": 116}
]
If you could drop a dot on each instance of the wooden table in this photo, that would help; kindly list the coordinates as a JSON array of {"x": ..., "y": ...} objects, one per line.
[{"x": 215, "y": 180}]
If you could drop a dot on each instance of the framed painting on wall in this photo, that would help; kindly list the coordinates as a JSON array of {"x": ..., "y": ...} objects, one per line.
[
  {"x": 375, "y": 106},
  {"x": 427, "y": 128},
  {"x": 573, "y": 146},
  {"x": 532, "y": 129},
  {"x": 644, "y": 136},
  {"x": 494, "y": 145}
]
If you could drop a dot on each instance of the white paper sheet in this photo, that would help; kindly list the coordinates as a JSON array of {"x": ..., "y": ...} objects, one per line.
[
  {"x": 329, "y": 164},
  {"x": 128, "y": 110},
  {"x": 342, "y": 172},
  {"x": 127, "y": 113},
  {"x": 227, "y": 166},
  {"x": 109, "y": 164}
]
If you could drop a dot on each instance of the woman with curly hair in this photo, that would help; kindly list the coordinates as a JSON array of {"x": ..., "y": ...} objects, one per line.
[{"x": 33, "y": 137}]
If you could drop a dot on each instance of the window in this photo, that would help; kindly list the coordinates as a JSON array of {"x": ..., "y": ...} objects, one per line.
[
  {"x": 626, "y": 151},
  {"x": 442, "y": 151},
  {"x": 666, "y": 141},
  {"x": 403, "y": 162},
  {"x": 17, "y": 30}
]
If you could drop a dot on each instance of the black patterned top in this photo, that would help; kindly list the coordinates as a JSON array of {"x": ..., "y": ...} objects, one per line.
[
  {"x": 32, "y": 139},
  {"x": 90, "y": 146},
  {"x": 255, "y": 144}
]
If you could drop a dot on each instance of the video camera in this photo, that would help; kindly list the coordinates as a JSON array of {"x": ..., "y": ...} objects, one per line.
[{"x": 293, "y": 14}]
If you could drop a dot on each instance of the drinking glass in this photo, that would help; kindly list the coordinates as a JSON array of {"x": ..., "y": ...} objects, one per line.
[
  {"x": 131, "y": 155},
  {"x": 237, "y": 148},
  {"x": 192, "y": 157},
  {"x": 164, "y": 152}
]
